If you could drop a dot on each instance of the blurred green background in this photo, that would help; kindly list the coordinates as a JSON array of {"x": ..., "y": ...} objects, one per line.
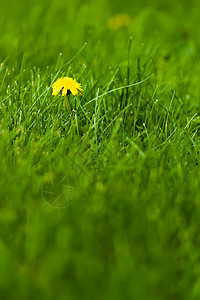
[{"x": 130, "y": 227}]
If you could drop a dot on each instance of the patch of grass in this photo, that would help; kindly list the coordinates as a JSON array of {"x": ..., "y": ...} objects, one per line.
[{"x": 104, "y": 202}]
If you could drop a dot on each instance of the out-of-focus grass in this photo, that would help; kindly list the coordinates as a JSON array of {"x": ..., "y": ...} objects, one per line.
[{"x": 104, "y": 203}]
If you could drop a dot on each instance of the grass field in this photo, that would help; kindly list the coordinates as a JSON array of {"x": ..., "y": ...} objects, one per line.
[{"x": 102, "y": 202}]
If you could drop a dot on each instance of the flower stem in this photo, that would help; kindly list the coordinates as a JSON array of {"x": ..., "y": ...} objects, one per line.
[{"x": 68, "y": 107}]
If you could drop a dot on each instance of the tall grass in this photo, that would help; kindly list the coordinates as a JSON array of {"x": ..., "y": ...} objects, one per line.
[{"x": 104, "y": 202}]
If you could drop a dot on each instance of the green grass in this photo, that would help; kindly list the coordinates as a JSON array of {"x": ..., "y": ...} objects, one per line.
[{"x": 123, "y": 168}]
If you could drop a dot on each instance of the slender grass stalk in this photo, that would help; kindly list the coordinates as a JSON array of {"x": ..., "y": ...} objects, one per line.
[{"x": 128, "y": 70}]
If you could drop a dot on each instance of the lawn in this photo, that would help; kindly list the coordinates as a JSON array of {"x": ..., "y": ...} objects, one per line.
[{"x": 100, "y": 191}]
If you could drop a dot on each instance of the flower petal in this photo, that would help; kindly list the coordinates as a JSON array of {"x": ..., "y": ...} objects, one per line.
[
  {"x": 74, "y": 91},
  {"x": 64, "y": 91}
]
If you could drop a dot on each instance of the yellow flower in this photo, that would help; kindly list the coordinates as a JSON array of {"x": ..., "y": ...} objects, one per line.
[
  {"x": 66, "y": 85},
  {"x": 119, "y": 21}
]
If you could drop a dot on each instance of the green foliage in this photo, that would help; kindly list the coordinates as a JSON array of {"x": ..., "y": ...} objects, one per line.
[{"x": 102, "y": 203}]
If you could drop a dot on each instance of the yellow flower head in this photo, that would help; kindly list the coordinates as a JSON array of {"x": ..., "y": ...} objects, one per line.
[
  {"x": 66, "y": 85},
  {"x": 119, "y": 21}
]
